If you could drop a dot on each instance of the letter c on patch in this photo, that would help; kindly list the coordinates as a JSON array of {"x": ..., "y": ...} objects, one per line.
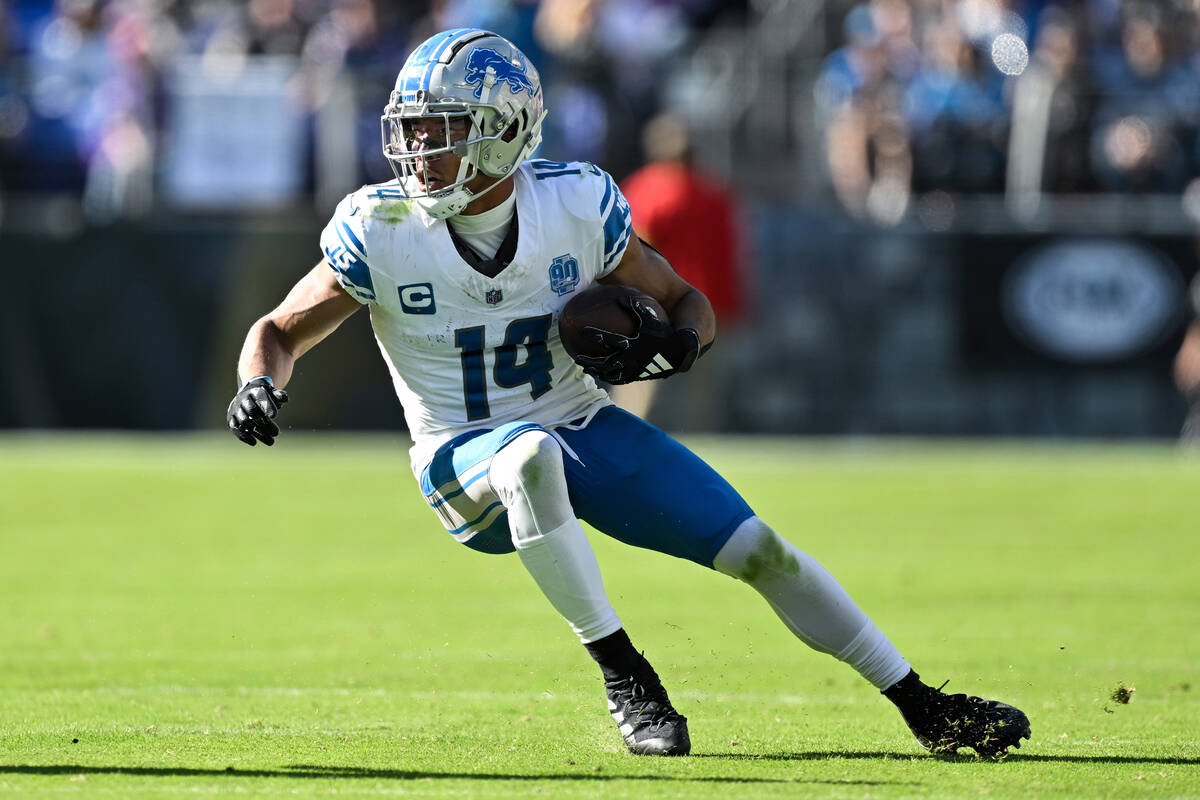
[{"x": 417, "y": 298}]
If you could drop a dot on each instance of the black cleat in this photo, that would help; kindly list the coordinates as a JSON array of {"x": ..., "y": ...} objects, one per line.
[
  {"x": 644, "y": 714},
  {"x": 943, "y": 723}
]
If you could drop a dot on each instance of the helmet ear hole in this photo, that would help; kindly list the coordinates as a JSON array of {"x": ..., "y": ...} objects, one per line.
[{"x": 517, "y": 124}]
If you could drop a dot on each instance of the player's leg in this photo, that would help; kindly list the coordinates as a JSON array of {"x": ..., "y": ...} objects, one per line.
[
  {"x": 675, "y": 503},
  {"x": 506, "y": 489},
  {"x": 529, "y": 477},
  {"x": 809, "y": 601},
  {"x": 815, "y": 607}
]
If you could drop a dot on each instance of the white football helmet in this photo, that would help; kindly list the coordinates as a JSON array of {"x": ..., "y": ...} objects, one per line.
[{"x": 470, "y": 75}]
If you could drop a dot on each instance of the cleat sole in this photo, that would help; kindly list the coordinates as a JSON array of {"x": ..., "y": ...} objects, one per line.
[{"x": 660, "y": 747}]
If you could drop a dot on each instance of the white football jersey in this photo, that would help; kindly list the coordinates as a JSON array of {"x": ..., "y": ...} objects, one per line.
[{"x": 467, "y": 351}]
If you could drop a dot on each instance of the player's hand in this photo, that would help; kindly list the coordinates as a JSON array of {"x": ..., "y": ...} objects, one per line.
[
  {"x": 655, "y": 351},
  {"x": 252, "y": 413}
]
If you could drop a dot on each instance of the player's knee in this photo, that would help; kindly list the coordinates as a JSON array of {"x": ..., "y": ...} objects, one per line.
[
  {"x": 755, "y": 550},
  {"x": 530, "y": 463}
]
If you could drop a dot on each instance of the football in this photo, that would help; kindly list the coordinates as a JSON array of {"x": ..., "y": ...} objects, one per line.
[{"x": 597, "y": 307}]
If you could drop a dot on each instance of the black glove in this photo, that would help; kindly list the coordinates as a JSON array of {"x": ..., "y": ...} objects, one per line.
[
  {"x": 655, "y": 351},
  {"x": 251, "y": 414}
]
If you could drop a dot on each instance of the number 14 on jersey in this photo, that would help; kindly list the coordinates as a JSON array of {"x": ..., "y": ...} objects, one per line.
[{"x": 528, "y": 335}]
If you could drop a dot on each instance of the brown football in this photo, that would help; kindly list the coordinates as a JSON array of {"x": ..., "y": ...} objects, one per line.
[{"x": 597, "y": 307}]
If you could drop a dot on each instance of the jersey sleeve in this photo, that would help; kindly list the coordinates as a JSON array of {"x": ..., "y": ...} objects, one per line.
[
  {"x": 342, "y": 242},
  {"x": 616, "y": 221}
]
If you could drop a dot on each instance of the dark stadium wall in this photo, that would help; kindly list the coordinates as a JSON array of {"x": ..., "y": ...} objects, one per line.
[
  {"x": 857, "y": 331},
  {"x": 140, "y": 327}
]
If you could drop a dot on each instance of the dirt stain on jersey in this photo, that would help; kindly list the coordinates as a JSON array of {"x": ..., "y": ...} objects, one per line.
[{"x": 391, "y": 210}]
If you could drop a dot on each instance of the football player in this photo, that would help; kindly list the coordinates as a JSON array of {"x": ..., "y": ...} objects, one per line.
[{"x": 464, "y": 260}]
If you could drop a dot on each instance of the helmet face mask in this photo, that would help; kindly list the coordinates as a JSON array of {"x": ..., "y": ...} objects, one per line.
[
  {"x": 413, "y": 142},
  {"x": 465, "y": 92}
]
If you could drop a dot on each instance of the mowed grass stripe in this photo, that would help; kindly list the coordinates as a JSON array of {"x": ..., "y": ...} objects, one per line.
[{"x": 209, "y": 619}]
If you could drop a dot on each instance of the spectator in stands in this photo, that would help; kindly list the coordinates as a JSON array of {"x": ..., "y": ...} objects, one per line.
[
  {"x": 121, "y": 168},
  {"x": 1047, "y": 146},
  {"x": 14, "y": 113},
  {"x": 893, "y": 19},
  {"x": 897, "y": 118},
  {"x": 263, "y": 27},
  {"x": 9, "y": 36},
  {"x": 578, "y": 81},
  {"x": 1150, "y": 107},
  {"x": 858, "y": 66},
  {"x": 92, "y": 80},
  {"x": 357, "y": 45},
  {"x": 858, "y": 92},
  {"x": 605, "y": 73},
  {"x": 1187, "y": 368},
  {"x": 955, "y": 110},
  {"x": 692, "y": 219}
]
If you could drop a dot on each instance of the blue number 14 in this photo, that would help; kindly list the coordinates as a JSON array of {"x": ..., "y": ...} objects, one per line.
[{"x": 529, "y": 333}]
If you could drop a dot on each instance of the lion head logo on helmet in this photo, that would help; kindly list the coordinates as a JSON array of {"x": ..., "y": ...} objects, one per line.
[{"x": 484, "y": 60}]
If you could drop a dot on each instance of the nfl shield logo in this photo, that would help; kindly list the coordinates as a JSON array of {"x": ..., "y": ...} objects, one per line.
[{"x": 494, "y": 296}]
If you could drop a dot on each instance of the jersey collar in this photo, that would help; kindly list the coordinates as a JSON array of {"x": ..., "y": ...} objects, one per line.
[{"x": 489, "y": 267}]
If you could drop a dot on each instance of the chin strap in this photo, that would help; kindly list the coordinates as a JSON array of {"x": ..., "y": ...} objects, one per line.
[{"x": 454, "y": 203}]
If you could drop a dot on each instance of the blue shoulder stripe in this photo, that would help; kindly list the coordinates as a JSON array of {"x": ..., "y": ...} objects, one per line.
[
  {"x": 608, "y": 190},
  {"x": 618, "y": 249},
  {"x": 616, "y": 228},
  {"x": 362, "y": 250}
]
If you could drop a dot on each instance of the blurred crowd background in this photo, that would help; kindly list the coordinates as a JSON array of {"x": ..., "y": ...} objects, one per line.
[
  {"x": 953, "y": 216},
  {"x": 97, "y": 97}
]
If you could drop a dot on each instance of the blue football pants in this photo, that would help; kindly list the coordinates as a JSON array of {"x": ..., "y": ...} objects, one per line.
[{"x": 625, "y": 477}]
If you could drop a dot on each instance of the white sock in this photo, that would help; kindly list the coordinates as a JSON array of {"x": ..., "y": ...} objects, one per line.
[
  {"x": 528, "y": 477},
  {"x": 565, "y": 568},
  {"x": 810, "y": 601}
]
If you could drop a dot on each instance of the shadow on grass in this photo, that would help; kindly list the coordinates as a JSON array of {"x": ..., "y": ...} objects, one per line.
[
  {"x": 833, "y": 755},
  {"x": 316, "y": 771}
]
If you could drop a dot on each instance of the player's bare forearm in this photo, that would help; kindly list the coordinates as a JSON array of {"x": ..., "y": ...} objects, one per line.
[
  {"x": 692, "y": 310},
  {"x": 312, "y": 310},
  {"x": 266, "y": 351},
  {"x": 645, "y": 269}
]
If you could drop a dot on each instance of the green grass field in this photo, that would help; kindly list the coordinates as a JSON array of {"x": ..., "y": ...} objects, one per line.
[{"x": 185, "y": 616}]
